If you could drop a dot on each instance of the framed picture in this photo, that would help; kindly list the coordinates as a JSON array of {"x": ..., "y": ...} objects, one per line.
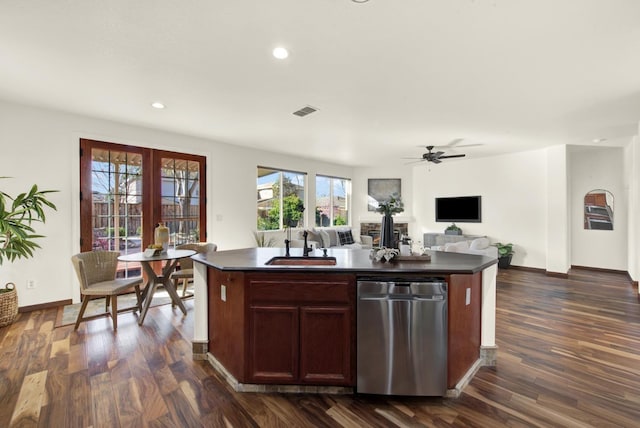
[{"x": 380, "y": 189}]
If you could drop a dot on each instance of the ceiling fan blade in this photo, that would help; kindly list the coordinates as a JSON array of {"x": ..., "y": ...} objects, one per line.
[
  {"x": 452, "y": 156},
  {"x": 438, "y": 154},
  {"x": 469, "y": 145},
  {"x": 413, "y": 158},
  {"x": 435, "y": 160},
  {"x": 415, "y": 161}
]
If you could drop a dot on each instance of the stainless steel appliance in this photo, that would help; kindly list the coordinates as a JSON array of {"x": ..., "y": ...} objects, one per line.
[{"x": 402, "y": 336}]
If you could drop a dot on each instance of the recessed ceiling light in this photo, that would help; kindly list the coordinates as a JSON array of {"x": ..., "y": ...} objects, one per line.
[
  {"x": 158, "y": 105},
  {"x": 280, "y": 53},
  {"x": 599, "y": 140},
  {"x": 359, "y": 1}
]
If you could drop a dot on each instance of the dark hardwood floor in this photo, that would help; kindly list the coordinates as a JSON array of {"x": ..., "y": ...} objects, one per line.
[{"x": 569, "y": 355}]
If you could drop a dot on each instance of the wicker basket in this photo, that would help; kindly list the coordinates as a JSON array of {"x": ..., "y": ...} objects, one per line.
[{"x": 8, "y": 304}]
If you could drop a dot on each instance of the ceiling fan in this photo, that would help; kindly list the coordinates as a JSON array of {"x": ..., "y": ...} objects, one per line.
[{"x": 436, "y": 157}]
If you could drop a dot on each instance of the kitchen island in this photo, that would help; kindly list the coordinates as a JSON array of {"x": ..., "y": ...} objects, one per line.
[{"x": 274, "y": 323}]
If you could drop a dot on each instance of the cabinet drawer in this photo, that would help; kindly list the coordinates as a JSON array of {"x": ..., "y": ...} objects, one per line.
[{"x": 322, "y": 289}]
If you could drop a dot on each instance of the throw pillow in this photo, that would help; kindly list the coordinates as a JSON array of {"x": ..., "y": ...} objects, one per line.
[
  {"x": 345, "y": 237},
  {"x": 479, "y": 244},
  {"x": 326, "y": 240},
  {"x": 333, "y": 237}
]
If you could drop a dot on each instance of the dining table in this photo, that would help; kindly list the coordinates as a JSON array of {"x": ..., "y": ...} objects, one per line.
[{"x": 170, "y": 258}]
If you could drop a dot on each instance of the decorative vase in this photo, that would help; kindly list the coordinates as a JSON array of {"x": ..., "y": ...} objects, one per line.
[
  {"x": 386, "y": 233},
  {"x": 161, "y": 236}
]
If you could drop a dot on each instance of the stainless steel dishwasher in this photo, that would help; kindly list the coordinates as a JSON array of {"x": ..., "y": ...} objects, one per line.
[{"x": 402, "y": 336}]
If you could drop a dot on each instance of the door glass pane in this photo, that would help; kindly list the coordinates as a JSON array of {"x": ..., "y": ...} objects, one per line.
[
  {"x": 116, "y": 198},
  {"x": 180, "y": 199}
]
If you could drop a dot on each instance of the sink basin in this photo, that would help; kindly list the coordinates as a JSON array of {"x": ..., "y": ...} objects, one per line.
[{"x": 302, "y": 261}]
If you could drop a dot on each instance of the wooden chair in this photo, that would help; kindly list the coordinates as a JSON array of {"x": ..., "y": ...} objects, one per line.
[
  {"x": 185, "y": 271},
  {"x": 96, "y": 272}
]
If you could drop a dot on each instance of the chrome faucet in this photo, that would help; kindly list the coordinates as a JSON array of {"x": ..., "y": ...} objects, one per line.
[{"x": 306, "y": 249}]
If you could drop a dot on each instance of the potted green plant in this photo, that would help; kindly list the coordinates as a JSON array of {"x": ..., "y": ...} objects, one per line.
[
  {"x": 505, "y": 253},
  {"x": 453, "y": 230},
  {"x": 18, "y": 237}
]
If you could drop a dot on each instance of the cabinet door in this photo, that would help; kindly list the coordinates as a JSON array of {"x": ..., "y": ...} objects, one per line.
[
  {"x": 274, "y": 344},
  {"x": 325, "y": 345}
]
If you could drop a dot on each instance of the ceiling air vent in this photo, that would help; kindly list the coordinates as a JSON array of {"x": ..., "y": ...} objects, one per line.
[{"x": 305, "y": 111}]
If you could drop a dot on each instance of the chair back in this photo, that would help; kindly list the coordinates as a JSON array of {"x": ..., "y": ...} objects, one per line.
[
  {"x": 198, "y": 247},
  {"x": 95, "y": 266}
]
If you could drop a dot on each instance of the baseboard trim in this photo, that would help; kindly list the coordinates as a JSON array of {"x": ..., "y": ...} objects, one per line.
[
  {"x": 288, "y": 389},
  {"x": 41, "y": 306},
  {"x": 557, "y": 274},
  {"x": 604, "y": 270},
  {"x": 528, "y": 269}
]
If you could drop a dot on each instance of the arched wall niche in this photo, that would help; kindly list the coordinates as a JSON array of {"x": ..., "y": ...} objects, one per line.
[{"x": 598, "y": 210}]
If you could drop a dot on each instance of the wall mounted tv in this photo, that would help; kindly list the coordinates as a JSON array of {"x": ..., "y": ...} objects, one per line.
[{"x": 464, "y": 209}]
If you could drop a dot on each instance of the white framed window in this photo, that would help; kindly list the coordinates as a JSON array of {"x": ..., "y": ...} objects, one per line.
[
  {"x": 280, "y": 198},
  {"x": 333, "y": 196}
]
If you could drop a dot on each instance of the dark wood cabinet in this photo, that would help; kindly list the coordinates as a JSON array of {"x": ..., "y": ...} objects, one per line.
[
  {"x": 302, "y": 330},
  {"x": 464, "y": 324},
  {"x": 325, "y": 344},
  {"x": 274, "y": 343}
]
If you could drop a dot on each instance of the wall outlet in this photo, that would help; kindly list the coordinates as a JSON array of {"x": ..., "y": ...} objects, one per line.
[
  {"x": 31, "y": 283},
  {"x": 223, "y": 293}
]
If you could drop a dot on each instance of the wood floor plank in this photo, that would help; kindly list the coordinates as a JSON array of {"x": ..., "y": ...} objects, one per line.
[
  {"x": 128, "y": 403},
  {"x": 32, "y": 393},
  {"x": 568, "y": 355},
  {"x": 105, "y": 413},
  {"x": 80, "y": 412}
]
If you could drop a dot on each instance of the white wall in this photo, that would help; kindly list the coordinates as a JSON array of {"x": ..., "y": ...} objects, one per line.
[
  {"x": 514, "y": 199},
  {"x": 558, "y": 223},
  {"x": 632, "y": 186},
  {"x": 360, "y": 186},
  {"x": 598, "y": 168},
  {"x": 42, "y": 146}
]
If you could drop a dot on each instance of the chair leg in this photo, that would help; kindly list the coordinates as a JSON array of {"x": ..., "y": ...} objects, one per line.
[
  {"x": 185, "y": 282},
  {"x": 138, "y": 298},
  {"x": 114, "y": 313},
  {"x": 107, "y": 301},
  {"x": 175, "y": 287},
  {"x": 85, "y": 302}
]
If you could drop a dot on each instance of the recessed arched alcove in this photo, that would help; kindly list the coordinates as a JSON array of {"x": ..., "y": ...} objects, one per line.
[{"x": 598, "y": 210}]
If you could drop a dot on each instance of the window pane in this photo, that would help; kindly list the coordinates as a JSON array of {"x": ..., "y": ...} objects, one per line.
[
  {"x": 332, "y": 201},
  {"x": 340, "y": 206},
  {"x": 280, "y": 199},
  {"x": 323, "y": 201}
]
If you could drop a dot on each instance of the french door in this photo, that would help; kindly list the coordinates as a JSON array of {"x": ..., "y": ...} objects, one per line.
[{"x": 125, "y": 191}]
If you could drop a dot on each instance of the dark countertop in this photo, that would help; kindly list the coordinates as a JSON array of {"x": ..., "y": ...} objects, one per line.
[{"x": 352, "y": 261}]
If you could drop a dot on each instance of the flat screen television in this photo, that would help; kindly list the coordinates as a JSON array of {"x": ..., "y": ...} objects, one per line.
[{"x": 463, "y": 209}]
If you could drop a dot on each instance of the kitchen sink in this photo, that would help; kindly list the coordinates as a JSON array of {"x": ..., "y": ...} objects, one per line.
[{"x": 302, "y": 261}]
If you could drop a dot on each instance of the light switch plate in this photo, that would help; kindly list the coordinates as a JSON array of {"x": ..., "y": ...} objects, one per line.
[
  {"x": 223, "y": 293},
  {"x": 468, "y": 297}
]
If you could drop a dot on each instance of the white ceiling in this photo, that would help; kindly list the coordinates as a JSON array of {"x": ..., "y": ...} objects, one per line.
[{"x": 387, "y": 76}]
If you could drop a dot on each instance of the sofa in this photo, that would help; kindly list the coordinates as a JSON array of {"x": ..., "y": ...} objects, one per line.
[
  {"x": 338, "y": 237},
  {"x": 480, "y": 246}
]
